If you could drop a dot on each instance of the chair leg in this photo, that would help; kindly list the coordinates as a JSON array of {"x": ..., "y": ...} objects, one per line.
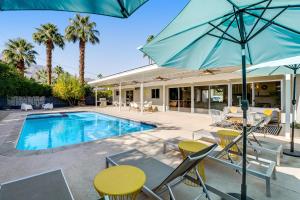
[{"x": 268, "y": 187}]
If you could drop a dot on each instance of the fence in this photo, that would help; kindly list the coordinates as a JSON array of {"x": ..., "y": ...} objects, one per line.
[{"x": 36, "y": 101}]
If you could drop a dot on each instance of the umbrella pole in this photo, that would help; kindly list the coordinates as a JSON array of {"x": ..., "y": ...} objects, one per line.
[
  {"x": 244, "y": 106},
  {"x": 291, "y": 151}
]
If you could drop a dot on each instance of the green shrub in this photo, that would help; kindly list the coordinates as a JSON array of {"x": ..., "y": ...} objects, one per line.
[
  {"x": 13, "y": 84},
  {"x": 68, "y": 87}
]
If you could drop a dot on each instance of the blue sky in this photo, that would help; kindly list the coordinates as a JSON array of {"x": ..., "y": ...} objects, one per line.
[{"x": 119, "y": 38}]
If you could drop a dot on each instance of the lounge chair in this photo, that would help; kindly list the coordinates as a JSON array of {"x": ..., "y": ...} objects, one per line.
[
  {"x": 161, "y": 177},
  {"x": 47, "y": 106},
  {"x": 26, "y": 107},
  {"x": 47, "y": 186},
  {"x": 257, "y": 166}
]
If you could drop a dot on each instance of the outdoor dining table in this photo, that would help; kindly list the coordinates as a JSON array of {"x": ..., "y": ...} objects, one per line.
[
  {"x": 188, "y": 147},
  {"x": 120, "y": 182}
]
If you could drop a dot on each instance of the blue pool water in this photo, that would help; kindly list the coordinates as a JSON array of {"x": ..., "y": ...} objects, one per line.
[{"x": 46, "y": 131}]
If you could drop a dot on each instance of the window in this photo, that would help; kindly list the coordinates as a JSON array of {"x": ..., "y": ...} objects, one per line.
[
  {"x": 117, "y": 93},
  {"x": 155, "y": 93}
]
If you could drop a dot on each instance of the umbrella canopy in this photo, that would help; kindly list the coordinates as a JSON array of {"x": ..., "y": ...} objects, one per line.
[
  {"x": 284, "y": 69},
  {"x": 206, "y": 34},
  {"x": 113, "y": 8},
  {"x": 272, "y": 70},
  {"x": 219, "y": 33}
]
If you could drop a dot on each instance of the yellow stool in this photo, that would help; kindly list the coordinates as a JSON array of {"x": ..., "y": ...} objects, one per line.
[
  {"x": 268, "y": 112},
  {"x": 226, "y": 137},
  {"x": 188, "y": 147},
  {"x": 122, "y": 182}
]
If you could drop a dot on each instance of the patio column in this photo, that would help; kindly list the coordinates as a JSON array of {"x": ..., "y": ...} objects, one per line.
[
  {"x": 142, "y": 97},
  {"x": 287, "y": 105},
  {"x": 281, "y": 95},
  {"x": 120, "y": 96},
  {"x": 192, "y": 99},
  {"x": 96, "y": 99},
  {"x": 209, "y": 99},
  {"x": 113, "y": 94},
  {"x": 253, "y": 94},
  {"x": 229, "y": 94},
  {"x": 164, "y": 98}
]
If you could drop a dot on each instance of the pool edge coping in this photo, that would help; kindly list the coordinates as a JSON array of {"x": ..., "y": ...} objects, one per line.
[{"x": 8, "y": 147}]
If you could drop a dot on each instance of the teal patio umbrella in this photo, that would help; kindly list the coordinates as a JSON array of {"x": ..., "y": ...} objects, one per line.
[
  {"x": 113, "y": 8},
  {"x": 277, "y": 70},
  {"x": 219, "y": 33}
]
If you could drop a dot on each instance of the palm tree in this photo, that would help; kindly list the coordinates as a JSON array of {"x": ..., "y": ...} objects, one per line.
[
  {"x": 41, "y": 76},
  {"x": 20, "y": 53},
  {"x": 83, "y": 30},
  {"x": 149, "y": 39},
  {"x": 58, "y": 70},
  {"x": 100, "y": 76},
  {"x": 48, "y": 35}
]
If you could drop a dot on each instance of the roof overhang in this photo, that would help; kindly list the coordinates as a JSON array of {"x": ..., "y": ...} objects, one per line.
[{"x": 154, "y": 74}]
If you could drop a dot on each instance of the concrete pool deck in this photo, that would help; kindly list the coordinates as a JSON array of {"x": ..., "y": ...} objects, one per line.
[{"x": 81, "y": 163}]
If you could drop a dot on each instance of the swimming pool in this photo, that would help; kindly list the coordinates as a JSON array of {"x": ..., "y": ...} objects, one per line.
[{"x": 46, "y": 131}]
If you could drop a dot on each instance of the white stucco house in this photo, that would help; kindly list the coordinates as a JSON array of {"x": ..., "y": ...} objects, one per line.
[{"x": 178, "y": 90}]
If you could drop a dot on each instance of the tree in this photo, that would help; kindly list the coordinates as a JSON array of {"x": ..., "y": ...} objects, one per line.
[
  {"x": 67, "y": 87},
  {"x": 100, "y": 76},
  {"x": 149, "y": 39},
  {"x": 58, "y": 70},
  {"x": 83, "y": 30},
  {"x": 19, "y": 53},
  {"x": 41, "y": 76},
  {"x": 48, "y": 35}
]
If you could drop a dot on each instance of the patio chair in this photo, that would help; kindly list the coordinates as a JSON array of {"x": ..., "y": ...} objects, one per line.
[
  {"x": 47, "y": 106},
  {"x": 218, "y": 118},
  {"x": 161, "y": 177},
  {"x": 148, "y": 106},
  {"x": 26, "y": 107}
]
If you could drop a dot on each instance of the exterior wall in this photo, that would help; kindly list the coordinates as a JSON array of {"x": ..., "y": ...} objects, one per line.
[{"x": 159, "y": 102}]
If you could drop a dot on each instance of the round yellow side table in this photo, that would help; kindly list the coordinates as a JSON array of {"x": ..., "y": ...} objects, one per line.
[
  {"x": 188, "y": 147},
  {"x": 226, "y": 137},
  {"x": 120, "y": 182}
]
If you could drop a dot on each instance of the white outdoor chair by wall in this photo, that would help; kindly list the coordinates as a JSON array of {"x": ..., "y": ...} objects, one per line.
[
  {"x": 26, "y": 107},
  {"x": 47, "y": 106}
]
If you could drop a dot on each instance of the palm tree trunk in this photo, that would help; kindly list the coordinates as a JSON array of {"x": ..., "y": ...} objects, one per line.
[
  {"x": 49, "y": 62},
  {"x": 81, "y": 61},
  {"x": 21, "y": 67}
]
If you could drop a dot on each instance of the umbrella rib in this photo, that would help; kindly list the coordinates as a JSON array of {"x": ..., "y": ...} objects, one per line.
[
  {"x": 267, "y": 25},
  {"x": 208, "y": 32},
  {"x": 273, "y": 70},
  {"x": 123, "y": 9},
  {"x": 275, "y": 7},
  {"x": 224, "y": 32},
  {"x": 223, "y": 38},
  {"x": 248, "y": 7},
  {"x": 209, "y": 55},
  {"x": 233, "y": 4},
  {"x": 254, "y": 26},
  {"x": 275, "y": 23},
  {"x": 180, "y": 32}
]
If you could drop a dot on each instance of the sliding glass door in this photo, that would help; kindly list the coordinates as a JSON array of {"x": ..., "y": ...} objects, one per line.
[
  {"x": 173, "y": 99},
  {"x": 201, "y": 99},
  {"x": 218, "y": 97},
  {"x": 237, "y": 94},
  {"x": 267, "y": 94},
  {"x": 185, "y": 99}
]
